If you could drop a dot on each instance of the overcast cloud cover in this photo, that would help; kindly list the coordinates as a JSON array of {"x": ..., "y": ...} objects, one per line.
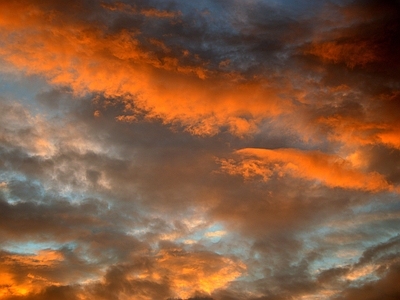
[{"x": 188, "y": 149}]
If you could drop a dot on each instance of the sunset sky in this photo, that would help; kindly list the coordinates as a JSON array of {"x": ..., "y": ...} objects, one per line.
[{"x": 230, "y": 149}]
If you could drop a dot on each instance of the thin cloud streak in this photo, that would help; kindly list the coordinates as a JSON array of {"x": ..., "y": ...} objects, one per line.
[{"x": 331, "y": 170}]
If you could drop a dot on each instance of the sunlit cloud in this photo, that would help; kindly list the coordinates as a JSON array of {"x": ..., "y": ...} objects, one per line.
[
  {"x": 165, "y": 88},
  {"x": 331, "y": 170}
]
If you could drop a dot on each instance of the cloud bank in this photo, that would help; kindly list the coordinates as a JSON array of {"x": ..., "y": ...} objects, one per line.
[{"x": 199, "y": 150}]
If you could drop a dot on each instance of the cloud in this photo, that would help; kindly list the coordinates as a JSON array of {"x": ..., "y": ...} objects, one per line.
[
  {"x": 374, "y": 290},
  {"x": 22, "y": 274},
  {"x": 120, "y": 172},
  {"x": 382, "y": 260},
  {"x": 364, "y": 37},
  {"x": 150, "y": 78},
  {"x": 217, "y": 233},
  {"x": 201, "y": 272},
  {"x": 331, "y": 170},
  {"x": 59, "y": 292},
  {"x": 148, "y": 12},
  {"x": 168, "y": 274},
  {"x": 351, "y": 53}
]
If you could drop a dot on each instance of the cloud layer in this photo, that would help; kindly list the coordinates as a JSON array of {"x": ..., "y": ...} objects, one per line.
[{"x": 219, "y": 149}]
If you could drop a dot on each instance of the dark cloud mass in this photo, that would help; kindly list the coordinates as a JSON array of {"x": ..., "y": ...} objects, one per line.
[{"x": 222, "y": 150}]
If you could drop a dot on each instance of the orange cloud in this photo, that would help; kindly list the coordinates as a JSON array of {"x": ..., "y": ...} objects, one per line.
[
  {"x": 14, "y": 283},
  {"x": 43, "y": 257},
  {"x": 331, "y": 170},
  {"x": 352, "y": 131},
  {"x": 174, "y": 271},
  {"x": 202, "y": 272},
  {"x": 149, "y": 12},
  {"x": 352, "y": 53},
  {"x": 83, "y": 56},
  {"x": 155, "y": 13}
]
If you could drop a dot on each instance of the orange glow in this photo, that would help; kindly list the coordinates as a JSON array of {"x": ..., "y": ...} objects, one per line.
[
  {"x": 13, "y": 283},
  {"x": 351, "y": 53},
  {"x": 155, "y": 13},
  {"x": 356, "y": 132},
  {"x": 332, "y": 170},
  {"x": 356, "y": 273},
  {"x": 391, "y": 137},
  {"x": 80, "y": 55},
  {"x": 199, "y": 271},
  {"x": 7, "y": 283}
]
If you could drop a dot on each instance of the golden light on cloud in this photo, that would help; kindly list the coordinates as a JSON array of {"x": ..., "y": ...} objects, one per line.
[
  {"x": 198, "y": 272},
  {"x": 217, "y": 233},
  {"x": 361, "y": 272},
  {"x": 331, "y": 170},
  {"x": 13, "y": 283},
  {"x": 80, "y": 55}
]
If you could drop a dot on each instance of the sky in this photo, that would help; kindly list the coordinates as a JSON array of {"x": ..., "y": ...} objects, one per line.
[{"x": 226, "y": 149}]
